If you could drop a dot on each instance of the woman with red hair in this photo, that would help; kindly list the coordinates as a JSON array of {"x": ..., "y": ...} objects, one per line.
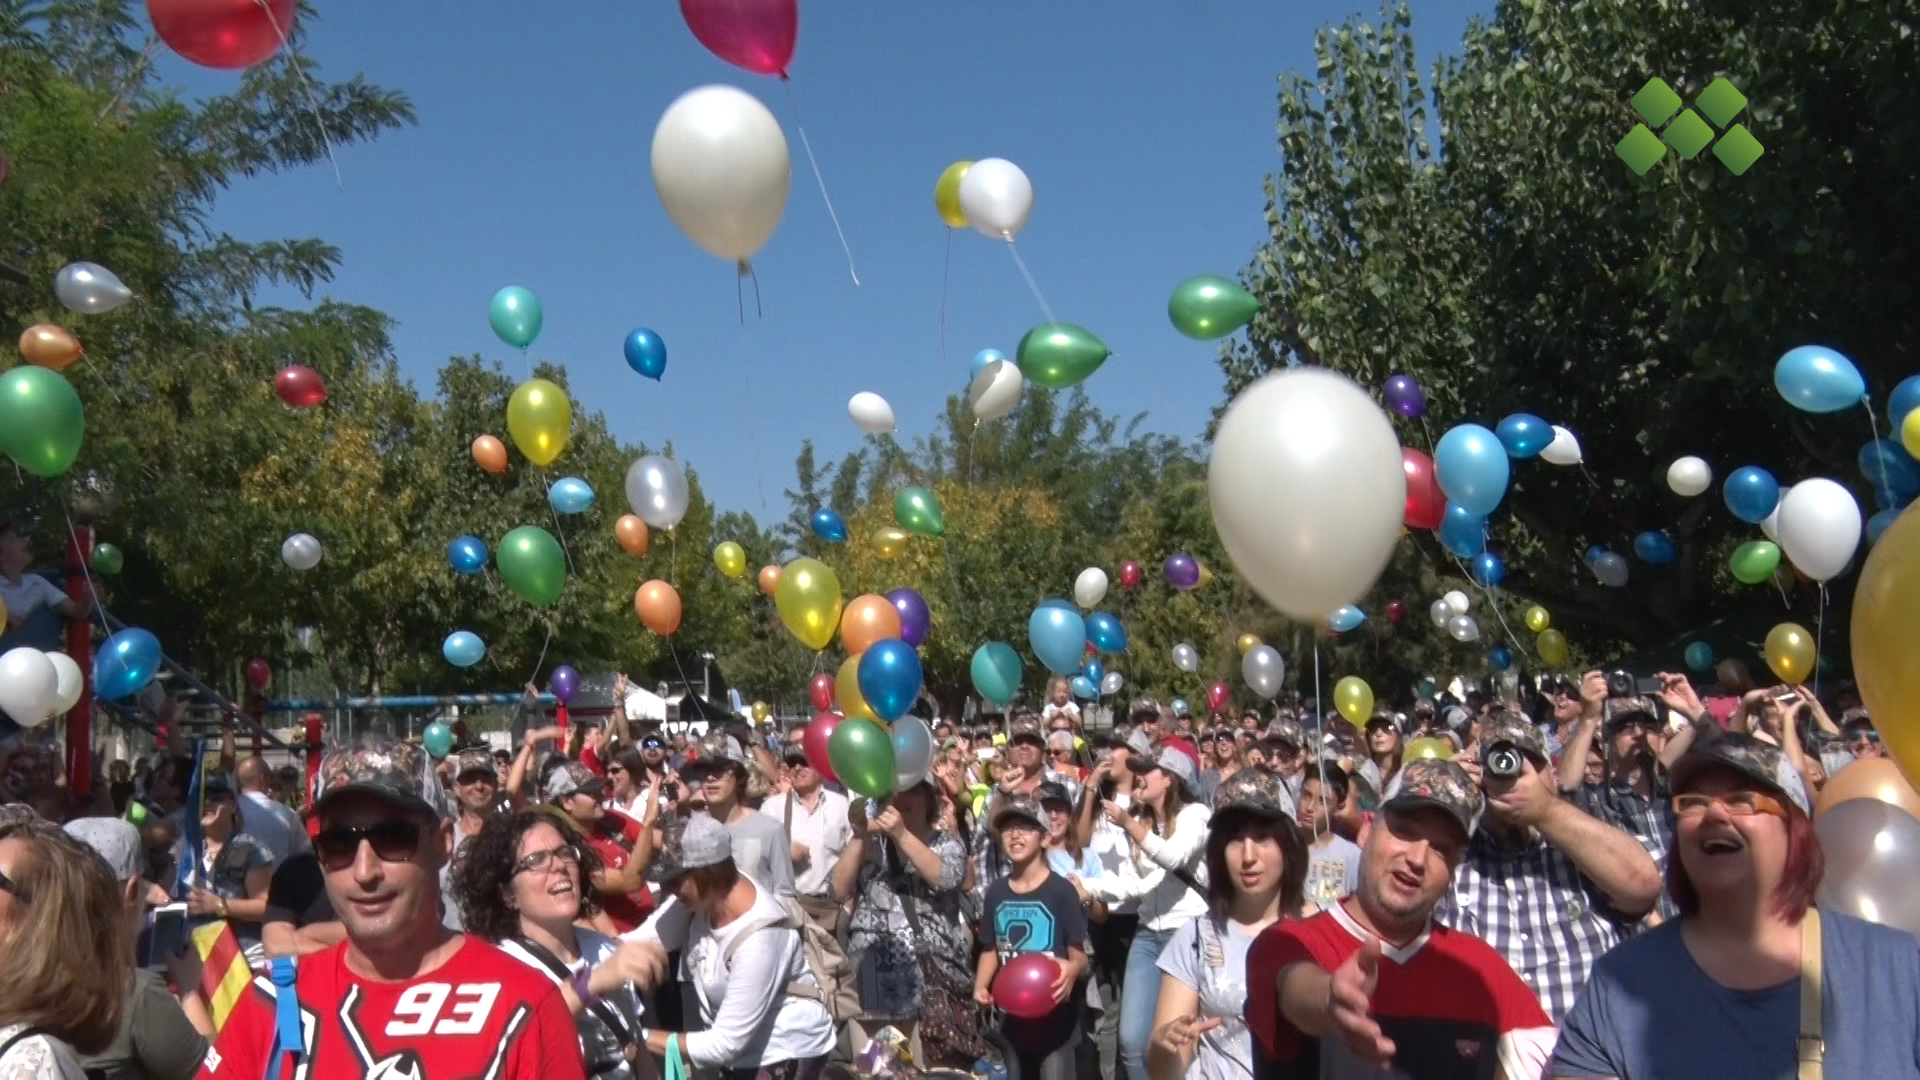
[{"x": 1752, "y": 980}]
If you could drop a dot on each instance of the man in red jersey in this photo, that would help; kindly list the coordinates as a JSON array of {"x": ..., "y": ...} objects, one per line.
[
  {"x": 402, "y": 998},
  {"x": 1372, "y": 986}
]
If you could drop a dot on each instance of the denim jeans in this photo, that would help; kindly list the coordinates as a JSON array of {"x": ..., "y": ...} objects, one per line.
[{"x": 1138, "y": 999}]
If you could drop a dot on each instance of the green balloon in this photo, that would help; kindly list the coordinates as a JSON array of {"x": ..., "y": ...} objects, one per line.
[
  {"x": 108, "y": 560},
  {"x": 918, "y": 512},
  {"x": 861, "y": 754},
  {"x": 1754, "y": 561},
  {"x": 42, "y": 421},
  {"x": 516, "y": 316},
  {"x": 1059, "y": 355},
  {"x": 533, "y": 565},
  {"x": 1209, "y": 306}
]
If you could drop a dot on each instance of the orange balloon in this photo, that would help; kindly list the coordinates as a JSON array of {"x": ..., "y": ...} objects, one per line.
[
  {"x": 490, "y": 454},
  {"x": 1878, "y": 779},
  {"x": 769, "y": 578},
  {"x": 658, "y": 606},
  {"x": 49, "y": 346},
  {"x": 868, "y": 619},
  {"x": 632, "y": 534}
]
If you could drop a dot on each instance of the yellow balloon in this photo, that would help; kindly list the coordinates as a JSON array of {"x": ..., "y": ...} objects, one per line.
[
  {"x": 808, "y": 599},
  {"x": 890, "y": 541},
  {"x": 1790, "y": 652},
  {"x": 1206, "y": 577},
  {"x": 1248, "y": 643},
  {"x": 539, "y": 417},
  {"x": 761, "y": 712},
  {"x": 731, "y": 558},
  {"x": 1435, "y": 748},
  {"x": 846, "y": 690},
  {"x": 1538, "y": 619},
  {"x": 1354, "y": 698},
  {"x": 946, "y": 194},
  {"x": 1552, "y": 646},
  {"x": 1886, "y": 638},
  {"x": 1910, "y": 432}
]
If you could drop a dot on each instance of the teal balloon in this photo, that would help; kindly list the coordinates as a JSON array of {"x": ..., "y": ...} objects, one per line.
[
  {"x": 861, "y": 754},
  {"x": 570, "y": 495},
  {"x": 1083, "y": 687},
  {"x": 1818, "y": 380},
  {"x": 889, "y": 675},
  {"x": 996, "y": 672},
  {"x": 1059, "y": 637},
  {"x": 1209, "y": 306},
  {"x": 533, "y": 565},
  {"x": 463, "y": 648},
  {"x": 42, "y": 422},
  {"x": 438, "y": 739},
  {"x": 1059, "y": 355},
  {"x": 516, "y": 316},
  {"x": 1699, "y": 655}
]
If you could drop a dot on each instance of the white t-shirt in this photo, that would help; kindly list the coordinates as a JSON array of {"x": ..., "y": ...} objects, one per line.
[
  {"x": 824, "y": 831},
  {"x": 274, "y": 824},
  {"x": 37, "y": 1057},
  {"x": 599, "y": 1042},
  {"x": 1209, "y": 954},
  {"x": 1069, "y": 710},
  {"x": 28, "y": 595}
]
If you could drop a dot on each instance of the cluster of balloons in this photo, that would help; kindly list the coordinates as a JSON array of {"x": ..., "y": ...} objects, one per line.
[
  {"x": 1449, "y": 613},
  {"x": 1550, "y": 644},
  {"x": 35, "y": 685}
]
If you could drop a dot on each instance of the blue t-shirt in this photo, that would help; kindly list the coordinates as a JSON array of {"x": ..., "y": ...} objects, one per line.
[
  {"x": 1649, "y": 1011},
  {"x": 1047, "y": 920}
]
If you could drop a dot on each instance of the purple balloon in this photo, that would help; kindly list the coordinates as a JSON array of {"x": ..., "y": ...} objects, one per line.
[
  {"x": 1404, "y": 396},
  {"x": 1182, "y": 571},
  {"x": 564, "y": 683},
  {"x": 915, "y": 619}
]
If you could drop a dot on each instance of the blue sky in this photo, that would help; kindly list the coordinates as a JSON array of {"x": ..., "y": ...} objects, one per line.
[{"x": 1146, "y": 127}]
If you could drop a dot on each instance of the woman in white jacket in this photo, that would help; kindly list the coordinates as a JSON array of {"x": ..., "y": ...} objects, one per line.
[{"x": 1166, "y": 875}]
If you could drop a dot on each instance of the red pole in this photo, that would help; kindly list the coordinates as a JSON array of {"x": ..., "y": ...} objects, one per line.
[
  {"x": 316, "y": 737},
  {"x": 257, "y": 705},
  {"x": 80, "y": 648}
]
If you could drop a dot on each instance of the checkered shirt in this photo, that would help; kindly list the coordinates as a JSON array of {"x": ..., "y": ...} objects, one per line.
[
  {"x": 1648, "y": 820},
  {"x": 989, "y": 864}
]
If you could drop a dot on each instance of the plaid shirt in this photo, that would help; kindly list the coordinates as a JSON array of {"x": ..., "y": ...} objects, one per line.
[
  {"x": 989, "y": 863},
  {"x": 1536, "y": 909},
  {"x": 1648, "y": 820}
]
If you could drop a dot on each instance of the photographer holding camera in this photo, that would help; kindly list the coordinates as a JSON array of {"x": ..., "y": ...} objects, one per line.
[{"x": 1546, "y": 884}]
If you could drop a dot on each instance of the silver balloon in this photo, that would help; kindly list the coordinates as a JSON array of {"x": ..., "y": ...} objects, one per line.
[
  {"x": 89, "y": 288},
  {"x": 657, "y": 491},
  {"x": 1611, "y": 569},
  {"x": 1264, "y": 670},
  {"x": 301, "y": 551},
  {"x": 1440, "y": 611},
  {"x": 1463, "y": 628},
  {"x": 912, "y": 751},
  {"x": 1111, "y": 682},
  {"x": 1871, "y": 849},
  {"x": 1186, "y": 657}
]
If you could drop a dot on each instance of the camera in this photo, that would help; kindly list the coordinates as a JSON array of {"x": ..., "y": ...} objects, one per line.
[
  {"x": 1504, "y": 760},
  {"x": 1622, "y": 684}
]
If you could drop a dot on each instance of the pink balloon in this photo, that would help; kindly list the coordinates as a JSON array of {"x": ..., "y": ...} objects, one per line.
[
  {"x": 1130, "y": 574},
  {"x": 1218, "y": 694},
  {"x": 814, "y": 740},
  {"x": 1024, "y": 986},
  {"x": 820, "y": 689},
  {"x": 259, "y": 673},
  {"x": 754, "y": 34}
]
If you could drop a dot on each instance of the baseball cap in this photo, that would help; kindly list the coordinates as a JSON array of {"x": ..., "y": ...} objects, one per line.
[
  {"x": 573, "y": 778},
  {"x": 1438, "y": 783},
  {"x": 1020, "y": 806},
  {"x": 472, "y": 760},
  {"x": 1763, "y": 763},
  {"x": 1140, "y": 743},
  {"x": 1025, "y": 727},
  {"x": 1144, "y": 707},
  {"x": 1621, "y": 710},
  {"x": 1175, "y": 763},
  {"x": 689, "y": 843},
  {"x": 716, "y": 749},
  {"x": 1456, "y": 718},
  {"x": 1253, "y": 791},
  {"x": 1051, "y": 791},
  {"x": 1288, "y": 732},
  {"x": 117, "y": 841},
  {"x": 1515, "y": 728},
  {"x": 378, "y": 764}
]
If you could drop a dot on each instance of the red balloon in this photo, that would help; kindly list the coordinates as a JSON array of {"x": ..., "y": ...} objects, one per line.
[
  {"x": 1130, "y": 574},
  {"x": 1024, "y": 985},
  {"x": 814, "y": 739},
  {"x": 754, "y": 34},
  {"x": 821, "y": 690},
  {"x": 1426, "y": 503},
  {"x": 222, "y": 33},
  {"x": 1218, "y": 695},
  {"x": 1396, "y": 611},
  {"x": 259, "y": 673},
  {"x": 300, "y": 387}
]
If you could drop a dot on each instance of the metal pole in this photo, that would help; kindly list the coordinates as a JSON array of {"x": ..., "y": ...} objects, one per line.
[{"x": 80, "y": 650}]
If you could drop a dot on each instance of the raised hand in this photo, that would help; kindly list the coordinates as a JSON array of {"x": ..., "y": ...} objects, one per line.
[{"x": 1349, "y": 999}]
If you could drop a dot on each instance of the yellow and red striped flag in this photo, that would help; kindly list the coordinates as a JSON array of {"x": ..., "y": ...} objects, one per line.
[{"x": 224, "y": 974}]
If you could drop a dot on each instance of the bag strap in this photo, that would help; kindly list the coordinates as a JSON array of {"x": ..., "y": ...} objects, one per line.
[
  {"x": 1812, "y": 1041},
  {"x": 288, "y": 1037},
  {"x": 561, "y": 973},
  {"x": 23, "y": 1033}
]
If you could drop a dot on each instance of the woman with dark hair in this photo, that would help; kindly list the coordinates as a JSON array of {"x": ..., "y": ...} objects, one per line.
[
  {"x": 1256, "y": 875},
  {"x": 1751, "y": 980},
  {"x": 520, "y": 883},
  {"x": 1384, "y": 742}
]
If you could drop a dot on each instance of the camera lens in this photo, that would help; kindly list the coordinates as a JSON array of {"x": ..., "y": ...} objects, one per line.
[
  {"x": 1620, "y": 684},
  {"x": 1503, "y": 761}
]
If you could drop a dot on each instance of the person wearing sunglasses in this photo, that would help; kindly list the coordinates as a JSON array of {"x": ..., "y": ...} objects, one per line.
[
  {"x": 402, "y": 995},
  {"x": 1752, "y": 979}
]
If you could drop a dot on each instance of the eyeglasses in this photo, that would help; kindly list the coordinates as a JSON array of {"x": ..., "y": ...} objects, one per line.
[
  {"x": 542, "y": 861},
  {"x": 1735, "y": 803},
  {"x": 616, "y": 770},
  {"x": 1863, "y": 737},
  {"x": 393, "y": 841},
  {"x": 8, "y": 885}
]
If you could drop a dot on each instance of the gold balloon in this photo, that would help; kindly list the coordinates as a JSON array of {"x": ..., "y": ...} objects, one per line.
[
  {"x": 1910, "y": 432},
  {"x": 1878, "y": 779},
  {"x": 846, "y": 691},
  {"x": 539, "y": 417},
  {"x": 1538, "y": 619},
  {"x": 49, "y": 346},
  {"x": 769, "y": 578},
  {"x": 868, "y": 618},
  {"x": 490, "y": 454},
  {"x": 658, "y": 605},
  {"x": 1789, "y": 652},
  {"x": 761, "y": 712},
  {"x": 808, "y": 598},
  {"x": 946, "y": 194},
  {"x": 1354, "y": 698},
  {"x": 1886, "y": 640},
  {"x": 1552, "y": 647},
  {"x": 1435, "y": 748},
  {"x": 631, "y": 532},
  {"x": 1206, "y": 577},
  {"x": 1248, "y": 643},
  {"x": 889, "y": 541},
  {"x": 731, "y": 558}
]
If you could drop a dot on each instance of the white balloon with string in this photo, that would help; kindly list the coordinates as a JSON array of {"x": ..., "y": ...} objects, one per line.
[
  {"x": 29, "y": 686},
  {"x": 997, "y": 198},
  {"x": 722, "y": 169},
  {"x": 1564, "y": 449},
  {"x": 871, "y": 413},
  {"x": 996, "y": 390}
]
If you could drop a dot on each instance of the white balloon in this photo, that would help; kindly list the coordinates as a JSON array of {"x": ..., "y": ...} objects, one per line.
[
  {"x": 1186, "y": 657},
  {"x": 1463, "y": 628},
  {"x": 997, "y": 197},
  {"x": 1308, "y": 490},
  {"x": 1819, "y": 527},
  {"x": 1457, "y": 602},
  {"x": 721, "y": 166},
  {"x": 1563, "y": 450},
  {"x": 1111, "y": 682},
  {"x": 1263, "y": 670},
  {"x": 71, "y": 681},
  {"x": 1611, "y": 569},
  {"x": 90, "y": 288},
  {"x": 1770, "y": 524},
  {"x": 996, "y": 390},
  {"x": 871, "y": 413},
  {"x": 1689, "y": 476},
  {"x": 1440, "y": 611},
  {"x": 1090, "y": 587},
  {"x": 301, "y": 551},
  {"x": 29, "y": 686},
  {"x": 657, "y": 490}
]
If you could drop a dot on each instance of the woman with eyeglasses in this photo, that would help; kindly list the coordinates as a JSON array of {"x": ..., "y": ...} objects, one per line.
[{"x": 1752, "y": 980}]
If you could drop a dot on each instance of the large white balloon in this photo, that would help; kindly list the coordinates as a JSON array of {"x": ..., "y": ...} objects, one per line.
[
  {"x": 300, "y": 551},
  {"x": 29, "y": 686},
  {"x": 721, "y": 166},
  {"x": 1819, "y": 527},
  {"x": 996, "y": 390},
  {"x": 1090, "y": 587},
  {"x": 71, "y": 681},
  {"x": 1689, "y": 476},
  {"x": 997, "y": 198},
  {"x": 89, "y": 288},
  {"x": 1308, "y": 490},
  {"x": 871, "y": 413},
  {"x": 1563, "y": 450},
  {"x": 657, "y": 491}
]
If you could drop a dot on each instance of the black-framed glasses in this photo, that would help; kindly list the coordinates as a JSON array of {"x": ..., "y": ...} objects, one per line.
[
  {"x": 567, "y": 854},
  {"x": 392, "y": 841}
]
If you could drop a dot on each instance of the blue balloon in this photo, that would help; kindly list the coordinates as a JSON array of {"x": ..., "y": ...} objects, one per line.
[
  {"x": 1904, "y": 399},
  {"x": 1880, "y": 523},
  {"x": 1500, "y": 657},
  {"x": 1083, "y": 687},
  {"x": 1594, "y": 551},
  {"x": 1699, "y": 655},
  {"x": 467, "y": 555},
  {"x": 570, "y": 495},
  {"x": 1106, "y": 632},
  {"x": 982, "y": 358},
  {"x": 1654, "y": 548},
  {"x": 437, "y": 739},
  {"x": 1059, "y": 638},
  {"x": 1463, "y": 532},
  {"x": 1093, "y": 671},
  {"x": 890, "y": 678},
  {"x": 1179, "y": 706},
  {"x": 996, "y": 672},
  {"x": 125, "y": 663},
  {"x": 1751, "y": 493},
  {"x": 1524, "y": 434},
  {"x": 1892, "y": 500},
  {"x": 828, "y": 526},
  {"x": 1818, "y": 380},
  {"x": 1888, "y": 467},
  {"x": 1054, "y": 601},
  {"x": 1489, "y": 570},
  {"x": 1472, "y": 467},
  {"x": 646, "y": 353},
  {"x": 463, "y": 648},
  {"x": 1345, "y": 619}
]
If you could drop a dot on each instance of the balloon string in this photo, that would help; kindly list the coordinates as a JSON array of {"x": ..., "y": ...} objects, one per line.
[
  {"x": 685, "y": 680},
  {"x": 1031, "y": 284},
  {"x": 1493, "y": 602},
  {"x": 746, "y": 386},
  {"x": 1819, "y": 635},
  {"x": 558, "y": 531},
  {"x": 543, "y": 654},
  {"x": 946, "y": 282},
  {"x": 801, "y": 127},
  {"x": 1873, "y": 428},
  {"x": 1320, "y": 733},
  {"x": 306, "y": 87},
  {"x": 1606, "y": 507}
]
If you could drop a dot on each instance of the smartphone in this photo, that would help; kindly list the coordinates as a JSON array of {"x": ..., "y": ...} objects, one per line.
[{"x": 165, "y": 936}]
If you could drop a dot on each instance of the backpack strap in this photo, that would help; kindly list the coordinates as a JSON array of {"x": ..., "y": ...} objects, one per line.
[
  {"x": 599, "y": 1009},
  {"x": 288, "y": 1038},
  {"x": 793, "y": 988}
]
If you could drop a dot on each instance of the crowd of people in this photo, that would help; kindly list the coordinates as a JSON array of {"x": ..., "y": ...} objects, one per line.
[{"x": 1579, "y": 883}]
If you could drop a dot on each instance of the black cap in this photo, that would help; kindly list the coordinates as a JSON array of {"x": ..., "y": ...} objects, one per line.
[{"x": 1051, "y": 791}]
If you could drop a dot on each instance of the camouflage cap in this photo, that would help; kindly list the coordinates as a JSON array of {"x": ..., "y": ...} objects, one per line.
[
  {"x": 716, "y": 748},
  {"x": 1256, "y": 791},
  {"x": 1288, "y": 732},
  {"x": 1438, "y": 783},
  {"x": 1514, "y": 728},
  {"x": 1761, "y": 762},
  {"x": 1019, "y": 806},
  {"x": 474, "y": 759},
  {"x": 1144, "y": 707},
  {"x": 1051, "y": 791},
  {"x": 573, "y": 778},
  {"x": 1025, "y": 727},
  {"x": 1621, "y": 710},
  {"x": 379, "y": 765},
  {"x": 689, "y": 843}
]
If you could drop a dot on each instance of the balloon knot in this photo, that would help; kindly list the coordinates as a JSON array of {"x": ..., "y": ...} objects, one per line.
[{"x": 745, "y": 270}]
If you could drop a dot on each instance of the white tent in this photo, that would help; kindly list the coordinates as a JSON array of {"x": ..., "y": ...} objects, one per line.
[{"x": 642, "y": 705}]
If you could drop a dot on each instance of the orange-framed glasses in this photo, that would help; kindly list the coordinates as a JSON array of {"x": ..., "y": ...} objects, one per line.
[{"x": 1735, "y": 803}]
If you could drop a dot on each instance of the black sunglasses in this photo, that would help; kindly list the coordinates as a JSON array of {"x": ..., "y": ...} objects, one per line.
[
  {"x": 393, "y": 841},
  {"x": 7, "y": 885}
]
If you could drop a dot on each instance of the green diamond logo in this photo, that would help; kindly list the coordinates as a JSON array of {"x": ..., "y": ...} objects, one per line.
[
  {"x": 1738, "y": 149},
  {"x": 1655, "y": 102},
  {"x": 1721, "y": 102},
  {"x": 1688, "y": 134},
  {"x": 1640, "y": 149}
]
